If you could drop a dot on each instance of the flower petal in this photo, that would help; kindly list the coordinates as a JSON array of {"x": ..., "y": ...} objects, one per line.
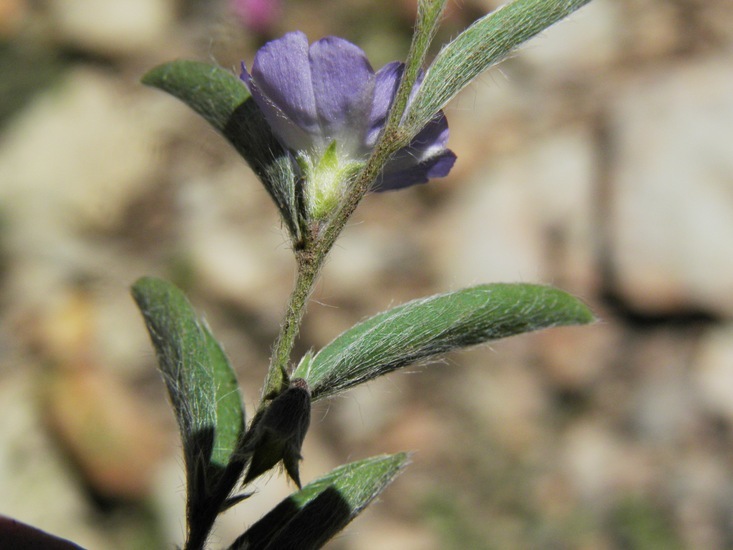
[
  {"x": 283, "y": 89},
  {"x": 435, "y": 167},
  {"x": 385, "y": 87},
  {"x": 343, "y": 82},
  {"x": 288, "y": 133},
  {"x": 425, "y": 157}
]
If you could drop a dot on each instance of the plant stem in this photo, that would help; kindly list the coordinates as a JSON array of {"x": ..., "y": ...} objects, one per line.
[
  {"x": 312, "y": 255},
  {"x": 309, "y": 265},
  {"x": 428, "y": 21}
]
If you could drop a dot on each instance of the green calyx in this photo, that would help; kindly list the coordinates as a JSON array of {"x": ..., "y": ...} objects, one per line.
[{"x": 326, "y": 178}]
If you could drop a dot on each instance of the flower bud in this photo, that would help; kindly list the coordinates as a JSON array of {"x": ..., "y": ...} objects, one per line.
[{"x": 280, "y": 431}]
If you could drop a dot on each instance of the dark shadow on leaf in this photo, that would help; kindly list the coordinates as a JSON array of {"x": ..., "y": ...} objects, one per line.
[
  {"x": 209, "y": 485},
  {"x": 288, "y": 527}
]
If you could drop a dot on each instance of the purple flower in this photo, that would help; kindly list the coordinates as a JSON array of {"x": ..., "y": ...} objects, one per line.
[{"x": 325, "y": 104}]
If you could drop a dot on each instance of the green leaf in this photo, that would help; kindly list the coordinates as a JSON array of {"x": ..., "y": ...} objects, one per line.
[
  {"x": 310, "y": 517},
  {"x": 483, "y": 44},
  {"x": 230, "y": 418},
  {"x": 211, "y": 91},
  {"x": 424, "y": 328},
  {"x": 224, "y": 101},
  {"x": 201, "y": 383},
  {"x": 204, "y": 392}
]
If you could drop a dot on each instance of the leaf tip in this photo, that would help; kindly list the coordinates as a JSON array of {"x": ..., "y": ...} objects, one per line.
[{"x": 153, "y": 76}]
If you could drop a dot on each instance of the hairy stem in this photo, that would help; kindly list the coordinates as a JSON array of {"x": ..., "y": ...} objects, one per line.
[
  {"x": 309, "y": 265},
  {"x": 313, "y": 255},
  {"x": 429, "y": 13},
  {"x": 316, "y": 247}
]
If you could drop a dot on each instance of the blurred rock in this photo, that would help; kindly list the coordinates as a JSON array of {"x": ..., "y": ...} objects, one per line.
[
  {"x": 78, "y": 154},
  {"x": 361, "y": 254},
  {"x": 388, "y": 533},
  {"x": 419, "y": 428},
  {"x": 717, "y": 21},
  {"x": 672, "y": 214},
  {"x": 367, "y": 410},
  {"x": 713, "y": 372},
  {"x": 505, "y": 399},
  {"x": 527, "y": 217},
  {"x": 106, "y": 431},
  {"x": 654, "y": 28},
  {"x": 72, "y": 163},
  {"x": 590, "y": 38},
  {"x": 591, "y": 458},
  {"x": 665, "y": 412},
  {"x": 112, "y": 28},
  {"x": 103, "y": 427},
  {"x": 12, "y": 13},
  {"x": 575, "y": 357},
  {"x": 35, "y": 483},
  {"x": 704, "y": 486},
  {"x": 237, "y": 253}
]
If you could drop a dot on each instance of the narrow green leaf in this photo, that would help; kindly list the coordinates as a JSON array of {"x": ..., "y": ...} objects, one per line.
[
  {"x": 211, "y": 91},
  {"x": 224, "y": 101},
  {"x": 424, "y": 328},
  {"x": 200, "y": 381},
  {"x": 483, "y": 44},
  {"x": 230, "y": 418},
  {"x": 308, "y": 518}
]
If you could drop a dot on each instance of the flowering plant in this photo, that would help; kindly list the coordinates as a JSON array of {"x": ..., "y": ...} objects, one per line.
[
  {"x": 327, "y": 107},
  {"x": 321, "y": 128}
]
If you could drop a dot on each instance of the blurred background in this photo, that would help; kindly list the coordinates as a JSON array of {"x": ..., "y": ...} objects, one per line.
[{"x": 598, "y": 159}]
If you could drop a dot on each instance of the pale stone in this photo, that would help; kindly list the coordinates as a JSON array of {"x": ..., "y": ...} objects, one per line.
[
  {"x": 665, "y": 411},
  {"x": 589, "y": 38},
  {"x": 573, "y": 357},
  {"x": 701, "y": 480},
  {"x": 71, "y": 163},
  {"x": 361, "y": 253},
  {"x": 112, "y": 28},
  {"x": 375, "y": 530},
  {"x": 36, "y": 485},
  {"x": 365, "y": 411},
  {"x": 77, "y": 155},
  {"x": 503, "y": 396},
  {"x": 525, "y": 218},
  {"x": 713, "y": 371},
  {"x": 672, "y": 214},
  {"x": 591, "y": 457},
  {"x": 252, "y": 267}
]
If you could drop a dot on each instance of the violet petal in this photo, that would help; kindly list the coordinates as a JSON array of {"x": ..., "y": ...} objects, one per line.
[
  {"x": 343, "y": 82},
  {"x": 435, "y": 167},
  {"x": 288, "y": 133},
  {"x": 385, "y": 87},
  {"x": 429, "y": 142},
  {"x": 424, "y": 158},
  {"x": 281, "y": 74}
]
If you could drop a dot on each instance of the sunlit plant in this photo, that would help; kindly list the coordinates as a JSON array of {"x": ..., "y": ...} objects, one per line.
[{"x": 321, "y": 128}]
